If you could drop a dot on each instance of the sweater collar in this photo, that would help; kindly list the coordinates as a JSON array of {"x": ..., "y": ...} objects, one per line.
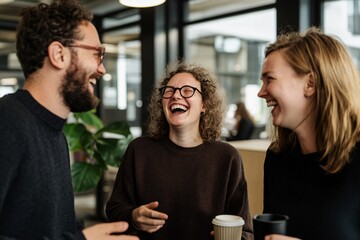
[
  {"x": 40, "y": 111},
  {"x": 189, "y": 150}
]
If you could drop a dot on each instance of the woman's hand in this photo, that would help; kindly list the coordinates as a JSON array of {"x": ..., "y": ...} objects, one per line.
[
  {"x": 145, "y": 218},
  {"x": 279, "y": 237}
]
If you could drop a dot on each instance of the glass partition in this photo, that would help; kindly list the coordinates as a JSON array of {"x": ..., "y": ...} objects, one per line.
[
  {"x": 199, "y": 9},
  {"x": 121, "y": 88},
  {"x": 11, "y": 75},
  {"x": 233, "y": 49},
  {"x": 346, "y": 24}
]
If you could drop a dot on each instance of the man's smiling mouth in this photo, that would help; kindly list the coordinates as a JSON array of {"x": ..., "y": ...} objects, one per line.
[{"x": 93, "y": 82}]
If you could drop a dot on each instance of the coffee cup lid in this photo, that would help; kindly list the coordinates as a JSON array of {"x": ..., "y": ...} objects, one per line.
[{"x": 228, "y": 220}]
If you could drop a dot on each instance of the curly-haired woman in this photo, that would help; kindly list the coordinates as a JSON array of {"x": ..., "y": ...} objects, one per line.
[{"x": 174, "y": 181}]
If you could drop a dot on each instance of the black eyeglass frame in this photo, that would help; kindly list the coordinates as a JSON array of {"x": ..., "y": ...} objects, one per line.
[
  {"x": 101, "y": 50},
  {"x": 162, "y": 91}
]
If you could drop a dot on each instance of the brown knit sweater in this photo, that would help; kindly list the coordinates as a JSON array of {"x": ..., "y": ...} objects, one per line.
[{"x": 192, "y": 185}]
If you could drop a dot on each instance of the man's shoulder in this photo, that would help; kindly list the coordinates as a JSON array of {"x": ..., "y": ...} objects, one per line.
[
  {"x": 11, "y": 107},
  {"x": 7, "y": 99},
  {"x": 12, "y": 102}
]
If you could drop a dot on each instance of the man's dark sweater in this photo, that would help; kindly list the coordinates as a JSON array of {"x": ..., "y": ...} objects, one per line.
[
  {"x": 192, "y": 185},
  {"x": 36, "y": 196}
]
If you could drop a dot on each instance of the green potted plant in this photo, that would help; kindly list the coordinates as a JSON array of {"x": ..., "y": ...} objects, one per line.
[{"x": 95, "y": 146}]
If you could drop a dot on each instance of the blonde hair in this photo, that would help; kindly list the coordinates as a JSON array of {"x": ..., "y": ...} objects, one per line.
[
  {"x": 337, "y": 104},
  {"x": 210, "y": 120}
]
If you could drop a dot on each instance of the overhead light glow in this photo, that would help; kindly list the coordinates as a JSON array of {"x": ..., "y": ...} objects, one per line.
[
  {"x": 8, "y": 81},
  {"x": 141, "y": 3}
]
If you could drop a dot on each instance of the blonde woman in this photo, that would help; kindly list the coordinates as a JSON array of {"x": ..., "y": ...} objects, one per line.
[
  {"x": 172, "y": 183},
  {"x": 312, "y": 167}
]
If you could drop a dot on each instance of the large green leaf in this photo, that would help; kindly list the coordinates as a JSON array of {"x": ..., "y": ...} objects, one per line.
[
  {"x": 85, "y": 176},
  {"x": 99, "y": 150},
  {"x": 120, "y": 127},
  {"x": 107, "y": 148},
  {"x": 77, "y": 135},
  {"x": 90, "y": 119},
  {"x": 99, "y": 159},
  {"x": 121, "y": 148},
  {"x": 112, "y": 149}
]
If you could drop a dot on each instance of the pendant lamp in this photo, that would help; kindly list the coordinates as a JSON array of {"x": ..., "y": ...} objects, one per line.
[{"x": 141, "y": 3}]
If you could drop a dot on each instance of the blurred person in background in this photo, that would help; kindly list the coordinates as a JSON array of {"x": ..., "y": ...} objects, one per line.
[{"x": 244, "y": 124}]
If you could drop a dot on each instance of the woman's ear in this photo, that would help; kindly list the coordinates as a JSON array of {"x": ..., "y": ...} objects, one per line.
[
  {"x": 203, "y": 109},
  {"x": 310, "y": 87},
  {"x": 56, "y": 55}
]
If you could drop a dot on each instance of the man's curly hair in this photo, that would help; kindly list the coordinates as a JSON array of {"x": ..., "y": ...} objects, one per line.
[
  {"x": 210, "y": 120},
  {"x": 41, "y": 25}
]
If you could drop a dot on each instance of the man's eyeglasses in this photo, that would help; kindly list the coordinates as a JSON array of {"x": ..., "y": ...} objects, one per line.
[
  {"x": 100, "y": 50},
  {"x": 185, "y": 91}
]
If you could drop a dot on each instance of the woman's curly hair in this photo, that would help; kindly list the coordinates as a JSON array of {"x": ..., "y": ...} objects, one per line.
[
  {"x": 43, "y": 24},
  {"x": 210, "y": 120}
]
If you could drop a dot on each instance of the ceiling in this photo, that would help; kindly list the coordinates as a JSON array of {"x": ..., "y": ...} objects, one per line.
[
  {"x": 10, "y": 10},
  {"x": 9, "y": 13}
]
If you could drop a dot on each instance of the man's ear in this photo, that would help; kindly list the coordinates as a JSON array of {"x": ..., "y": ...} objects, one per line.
[
  {"x": 310, "y": 86},
  {"x": 56, "y": 55}
]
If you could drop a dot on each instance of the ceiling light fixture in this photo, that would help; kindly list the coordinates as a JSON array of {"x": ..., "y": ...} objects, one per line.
[{"x": 141, "y": 3}]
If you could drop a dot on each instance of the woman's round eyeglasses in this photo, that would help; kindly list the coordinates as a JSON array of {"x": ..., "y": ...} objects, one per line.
[{"x": 186, "y": 91}]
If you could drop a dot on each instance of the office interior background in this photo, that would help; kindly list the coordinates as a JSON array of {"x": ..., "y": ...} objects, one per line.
[{"x": 228, "y": 37}]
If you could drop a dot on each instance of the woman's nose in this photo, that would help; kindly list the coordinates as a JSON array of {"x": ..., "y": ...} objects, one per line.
[{"x": 262, "y": 93}]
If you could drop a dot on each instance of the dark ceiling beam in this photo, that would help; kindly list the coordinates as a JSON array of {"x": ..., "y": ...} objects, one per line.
[{"x": 8, "y": 25}]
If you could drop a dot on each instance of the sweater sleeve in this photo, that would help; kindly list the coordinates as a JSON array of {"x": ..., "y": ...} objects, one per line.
[
  {"x": 268, "y": 157},
  {"x": 238, "y": 202},
  {"x": 78, "y": 235},
  {"x": 122, "y": 200},
  {"x": 11, "y": 152},
  {"x": 78, "y": 231}
]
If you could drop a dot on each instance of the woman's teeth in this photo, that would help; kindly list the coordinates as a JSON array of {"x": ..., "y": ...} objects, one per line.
[
  {"x": 271, "y": 103},
  {"x": 178, "y": 107}
]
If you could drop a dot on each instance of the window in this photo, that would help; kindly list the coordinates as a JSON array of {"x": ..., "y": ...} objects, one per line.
[
  {"x": 121, "y": 86},
  {"x": 346, "y": 24},
  {"x": 233, "y": 49}
]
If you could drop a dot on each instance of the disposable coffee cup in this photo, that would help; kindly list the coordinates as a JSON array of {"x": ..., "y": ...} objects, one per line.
[
  {"x": 228, "y": 227},
  {"x": 269, "y": 223}
]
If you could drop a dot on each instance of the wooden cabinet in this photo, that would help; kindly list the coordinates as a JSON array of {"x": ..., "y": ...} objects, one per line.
[{"x": 253, "y": 156}]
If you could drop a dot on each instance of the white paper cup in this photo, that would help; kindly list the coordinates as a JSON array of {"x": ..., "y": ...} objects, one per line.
[{"x": 228, "y": 227}]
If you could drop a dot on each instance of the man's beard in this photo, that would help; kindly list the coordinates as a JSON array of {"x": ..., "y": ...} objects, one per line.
[{"x": 75, "y": 90}]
